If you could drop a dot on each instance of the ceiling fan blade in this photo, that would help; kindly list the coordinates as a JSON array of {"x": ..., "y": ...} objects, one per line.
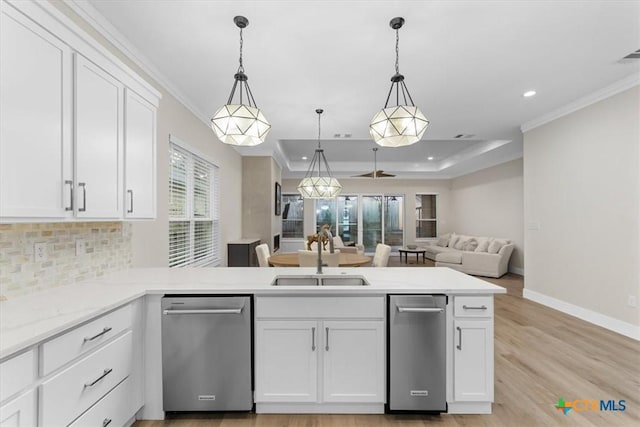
[
  {"x": 382, "y": 174},
  {"x": 364, "y": 175}
]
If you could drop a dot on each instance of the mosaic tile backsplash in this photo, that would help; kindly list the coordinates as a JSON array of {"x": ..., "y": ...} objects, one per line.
[{"x": 107, "y": 249}]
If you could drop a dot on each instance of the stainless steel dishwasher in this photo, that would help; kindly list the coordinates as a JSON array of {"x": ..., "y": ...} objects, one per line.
[
  {"x": 417, "y": 353},
  {"x": 207, "y": 353}
]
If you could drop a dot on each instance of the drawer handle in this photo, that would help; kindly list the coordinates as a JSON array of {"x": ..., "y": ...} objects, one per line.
[
  {"x": 326, "y": 348},
  {"x": 106, "y": 422},
  {"x": 98, "y": 335},
  {"x": 70, "y": 183},
  {"x": 84, "y": 196},
  {"x": 94, "y": 382},
  {"x": 470, "y": 307}
]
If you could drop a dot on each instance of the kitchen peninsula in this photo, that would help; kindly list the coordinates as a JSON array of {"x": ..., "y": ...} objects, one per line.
[{"x": 38, "y": 330}]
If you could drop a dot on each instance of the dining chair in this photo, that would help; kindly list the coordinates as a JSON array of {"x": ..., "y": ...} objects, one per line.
[
  {"x": 381, "y": 257},
  {"x": 262, "y": 251},
  {"x": 310, "y": 258}
]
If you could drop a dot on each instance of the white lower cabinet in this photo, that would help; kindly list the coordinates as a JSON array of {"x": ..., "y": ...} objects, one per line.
[
  {"x": 112, "y": 410},
  {"x": 286, "y": 364},
  {"x": 472, "y": 355},
  {"x": 19, "y": 412},
  {"x": 319, "y": 361}
]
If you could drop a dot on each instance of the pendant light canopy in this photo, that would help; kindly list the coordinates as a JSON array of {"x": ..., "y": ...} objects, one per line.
[
  {"x": 315, "y": 184},
  {"x": 240, "y": 124},
  {"x": 403, "y": 124}
]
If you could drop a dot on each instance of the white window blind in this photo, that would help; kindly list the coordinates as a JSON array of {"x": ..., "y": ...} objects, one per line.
[{"x": 194, "y": 213}]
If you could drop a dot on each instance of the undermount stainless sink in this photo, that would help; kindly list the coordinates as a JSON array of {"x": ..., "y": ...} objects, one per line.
[{"x": 308, "y": 280}]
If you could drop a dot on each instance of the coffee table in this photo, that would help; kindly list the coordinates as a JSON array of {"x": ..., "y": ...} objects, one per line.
[{"x": 407, "y": 251}]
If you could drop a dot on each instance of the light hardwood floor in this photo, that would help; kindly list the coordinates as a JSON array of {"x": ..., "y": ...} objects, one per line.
[{"x": 540, "y": 355}]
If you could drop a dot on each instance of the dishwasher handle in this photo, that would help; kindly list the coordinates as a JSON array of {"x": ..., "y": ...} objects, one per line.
[
  {"x": 206, "y": 311},
  {"x": 419, "y": 310}
]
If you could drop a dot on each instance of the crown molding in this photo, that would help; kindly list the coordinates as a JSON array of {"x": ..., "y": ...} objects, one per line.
[
  {"x": 599, "y": 95},
  {"x": 94, "y": 18}
]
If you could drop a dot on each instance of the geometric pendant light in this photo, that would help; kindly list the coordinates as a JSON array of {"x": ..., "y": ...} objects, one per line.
[
  {"x": 402, "y": 124},
  {"x": 240, "y": 124},
  {"x": 318, "y": 184}
]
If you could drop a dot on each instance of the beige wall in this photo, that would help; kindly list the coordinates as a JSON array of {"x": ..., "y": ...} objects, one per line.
[
  {"x": 150, "y": 238},
  {"x": 258, "y": 199},
  {"x": 581, "y": 186},
  {"x": 490, "y": 203}
]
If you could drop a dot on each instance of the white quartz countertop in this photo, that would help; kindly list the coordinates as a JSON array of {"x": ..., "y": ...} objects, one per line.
[{"x": 27, "y": 320}]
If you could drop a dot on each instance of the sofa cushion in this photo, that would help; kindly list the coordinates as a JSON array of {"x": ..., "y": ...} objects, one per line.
[
  {"x": 452, "y": 257},
  {"x": 483, "y": 244},
  {"x": 452, "y": 240},
  {"x": 443, "y": 240},
  {"x": 462, "y": 240},
  {"x": 470, "y": 245},
  {"x": 495, "y": 245}
]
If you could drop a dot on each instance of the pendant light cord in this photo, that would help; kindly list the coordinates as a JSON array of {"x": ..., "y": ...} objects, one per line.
[
  {"x": 319, "y": 130},
  {"x": 241, "y": 67},
  {"x": 397, "y": 51}
]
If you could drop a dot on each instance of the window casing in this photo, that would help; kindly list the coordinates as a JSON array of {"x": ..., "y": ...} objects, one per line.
[
  {"x": 194, "y": 209},
  {"x": 426, "y": 216}
]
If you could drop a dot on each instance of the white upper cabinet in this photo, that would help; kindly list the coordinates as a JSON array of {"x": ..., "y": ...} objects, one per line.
[
  {"x": 140, "y": 154},
  {"x": 98, "y": 141},
  {"x": 35, "y": 120},
  {"x": 72, "y": 118}
]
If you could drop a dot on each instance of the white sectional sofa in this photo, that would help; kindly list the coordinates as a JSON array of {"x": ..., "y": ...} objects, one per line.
[{"x": 480, "y": 256}]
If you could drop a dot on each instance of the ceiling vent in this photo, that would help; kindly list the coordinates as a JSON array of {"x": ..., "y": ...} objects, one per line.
[{"x": 464, "y": 136}]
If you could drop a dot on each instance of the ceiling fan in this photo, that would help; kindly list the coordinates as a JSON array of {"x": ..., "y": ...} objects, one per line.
[{"x": 375, "y": 173}]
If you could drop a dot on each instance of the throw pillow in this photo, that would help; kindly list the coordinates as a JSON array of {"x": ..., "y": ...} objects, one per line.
[
  {"x": 496, "y": 245},
  {"x": 470, "y": 245},
  {"x": 461, "y": 242},
  {"x": 443, "y": 240},
  {"x": 453, "y": 239},
  {"x": 483, "y": 244}
]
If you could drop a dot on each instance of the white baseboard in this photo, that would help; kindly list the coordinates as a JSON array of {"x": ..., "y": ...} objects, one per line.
[
  {"x": 607, "y": 322},
  {"x": 517, "y": 270}
]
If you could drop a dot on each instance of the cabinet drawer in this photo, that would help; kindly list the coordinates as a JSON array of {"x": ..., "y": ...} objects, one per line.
[
  {"x": 473, "y": 306},
  {"x": 113, "y": 410},
  {"x": 72, "y": 391},
  {"x": 17, "y": 373},
  {"x": 74, "y": 343},
  {"x": 320, "y": 307}
]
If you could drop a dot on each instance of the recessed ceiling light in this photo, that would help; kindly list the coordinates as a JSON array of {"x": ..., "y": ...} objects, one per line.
[
  {"x": 430, "y": 158},
  {"x": 529, "y": 93},
  {"x": 304, "y": 157}
]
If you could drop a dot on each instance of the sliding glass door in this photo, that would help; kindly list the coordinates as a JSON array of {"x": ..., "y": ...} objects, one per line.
[{"x": 369, "y": 219}]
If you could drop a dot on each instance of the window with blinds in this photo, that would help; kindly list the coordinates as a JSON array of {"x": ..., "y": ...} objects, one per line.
[
  {"x": 426, "y": 218},
  {"x": 194, "y": 210}
]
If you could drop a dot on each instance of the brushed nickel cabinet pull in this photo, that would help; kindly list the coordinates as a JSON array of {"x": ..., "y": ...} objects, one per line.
[
  {"x": 98, "y": 335},
  {"x": 130, "y": 210},
  {"x": 326, "y": 348},
  {"x": 470, "y": 307},
  {"x": 70, "y": 183},
  {"x": 94, "y": 382},
  {"x": 84, "y": 196},
  {"x": 459, "y": 346},
  {"x": 106, "y": 422},
  {"x": 313, "y": 339}
]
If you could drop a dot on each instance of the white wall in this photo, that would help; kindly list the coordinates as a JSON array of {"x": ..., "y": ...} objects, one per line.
[
  {"x": 581, "y": 186},
  {"x": 490, "y": 203},
  {"x": 150, "y": 238}
]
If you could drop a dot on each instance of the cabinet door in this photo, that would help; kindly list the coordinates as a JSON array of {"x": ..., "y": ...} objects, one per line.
[
  {"x": 473, "y": 361},
  {"x": 19, "y": 412},
  {"x": 286, "y": 361},
  {"x": 140, "y": 157},
  {"x": 98, "y": 142},
  {"x": 354, "y": 361},
  {"x": 35, "y": 120}
]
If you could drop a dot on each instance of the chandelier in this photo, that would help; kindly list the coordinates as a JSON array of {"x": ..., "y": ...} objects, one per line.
[
  {"x": 240, "y": 124},
  {"x": 315, "y": 185},
  {"x": 403, "y": 124}
]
